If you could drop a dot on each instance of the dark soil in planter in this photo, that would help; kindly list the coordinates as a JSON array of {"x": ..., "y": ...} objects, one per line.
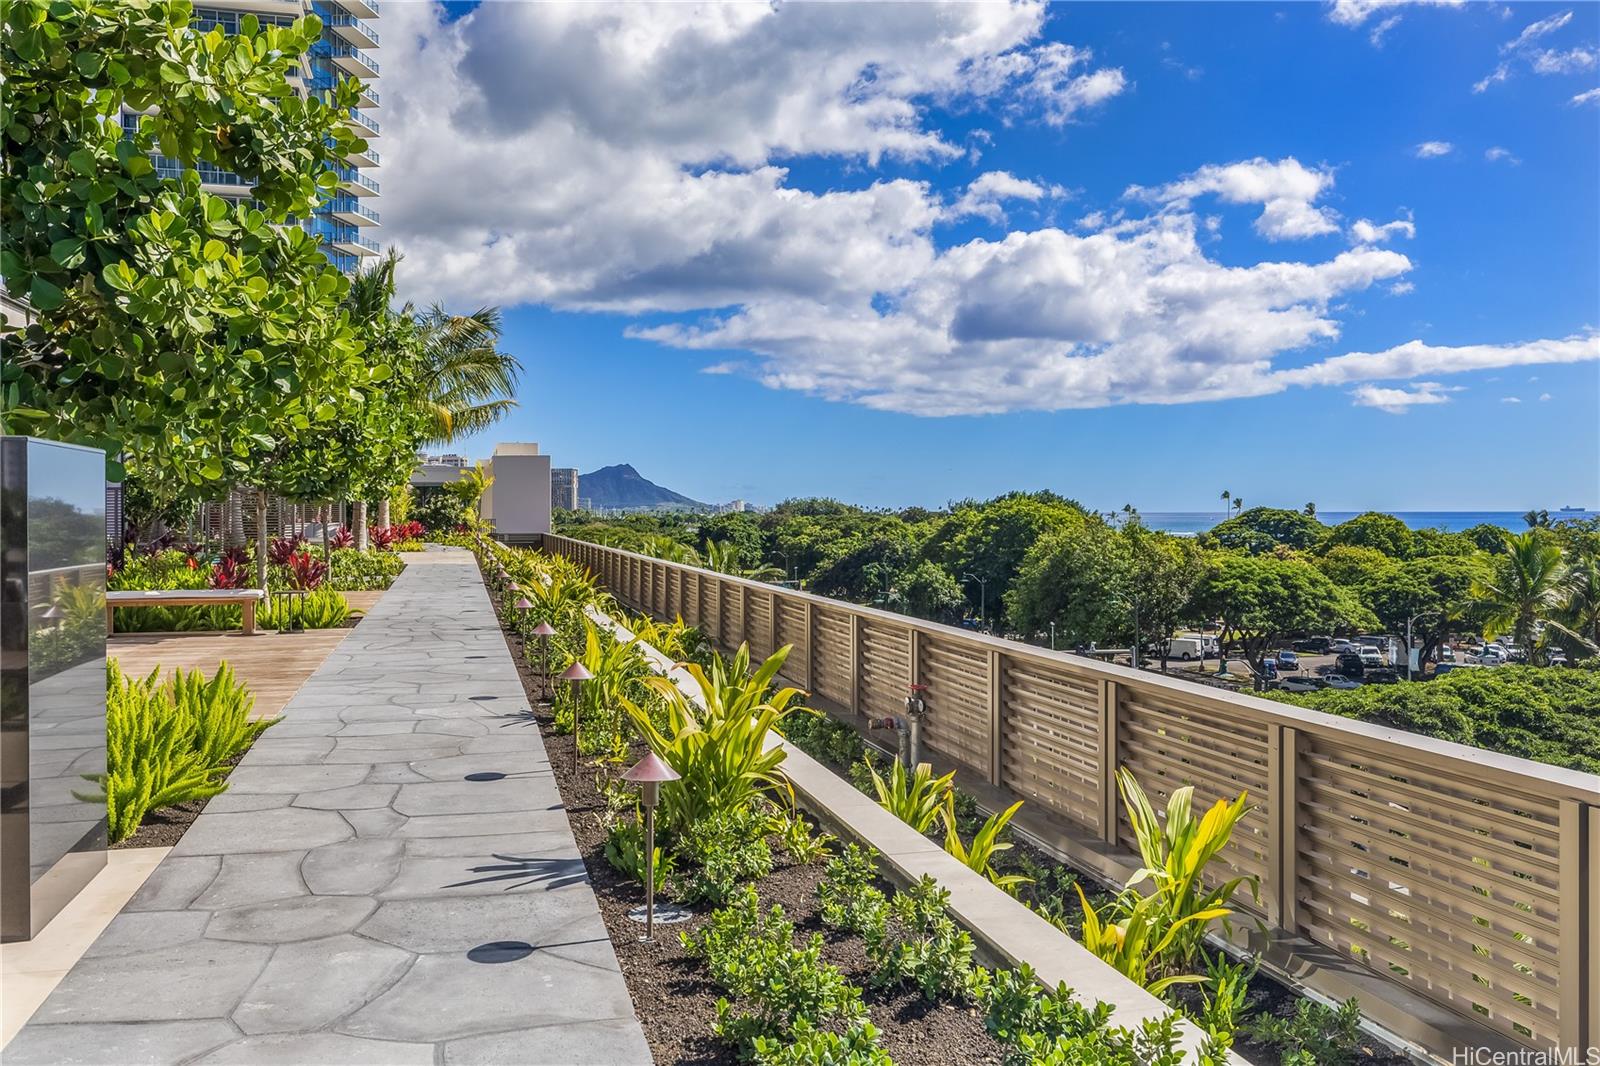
[{"x": 674, "y": 1002}]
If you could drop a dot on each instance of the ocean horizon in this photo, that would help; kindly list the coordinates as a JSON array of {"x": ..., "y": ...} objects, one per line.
[{"x": 1449, "y": 521}]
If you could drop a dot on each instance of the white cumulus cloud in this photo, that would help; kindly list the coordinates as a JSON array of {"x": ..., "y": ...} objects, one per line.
[
  {"x": 1364, "y": 231},
  {"x": 1399, "y": 401},
  {"x": 1286, "y": 189},
  {"x": 1591, "y": 96},
  {"x": 1498, "y": 154},
  {"x": 983, "y": 197},
  {"x": 1434, "y": 149},
  {"x": 641, "y": 160}
]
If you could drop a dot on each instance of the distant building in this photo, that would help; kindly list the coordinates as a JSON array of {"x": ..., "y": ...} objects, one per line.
[
  {"x": 564, "y": 489},
  {"x": 517, "y": 502}
]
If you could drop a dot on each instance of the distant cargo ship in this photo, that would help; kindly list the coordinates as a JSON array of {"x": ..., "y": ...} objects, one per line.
[{"x": 1580, "y": 510}]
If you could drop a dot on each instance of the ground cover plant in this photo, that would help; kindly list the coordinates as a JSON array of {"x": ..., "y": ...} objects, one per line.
[{"x": 169, "y": 741}]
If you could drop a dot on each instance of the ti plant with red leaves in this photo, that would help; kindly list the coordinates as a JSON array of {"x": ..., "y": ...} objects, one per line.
[
  {"x": 280, "y": 550},
  {"x": 306, "y": 571},
  {"x": 383, "y": 536},
  {"x": 342, "y": 538},
  {"x": 229, "y": 573}
]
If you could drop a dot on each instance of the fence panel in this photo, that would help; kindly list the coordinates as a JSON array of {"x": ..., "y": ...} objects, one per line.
[
  {"x": 1450, "y": 886},
  {"x": 1050, "y": 748},
  {"x": 1170, "y": 742},
  {"x": 957, "y": 700},
  {"x": 885, "y": 668},
  {"x": 831, "y": 669}
]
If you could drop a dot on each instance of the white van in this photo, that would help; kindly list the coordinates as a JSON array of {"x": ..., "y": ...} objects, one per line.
[{"x": 1186, "y": 648}]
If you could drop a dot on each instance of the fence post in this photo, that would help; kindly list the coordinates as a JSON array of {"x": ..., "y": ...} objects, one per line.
[
  {"x": 772, "y": 622},
  {"x": 1108, "y": 761},
  {"x": 807, "y": 628},
  {"x": 1283, "y": 853},
  {"x": 1579, "y": 1019},
  {"x": 996, "y": 714},
  {"x": 855, "y": 663}
]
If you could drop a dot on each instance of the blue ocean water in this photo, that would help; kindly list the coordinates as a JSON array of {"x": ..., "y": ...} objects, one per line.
[{"x": 1449, "y": 521}]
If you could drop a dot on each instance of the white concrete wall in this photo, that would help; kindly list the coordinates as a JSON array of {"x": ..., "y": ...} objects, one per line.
[{"x": 518, "y": 499}]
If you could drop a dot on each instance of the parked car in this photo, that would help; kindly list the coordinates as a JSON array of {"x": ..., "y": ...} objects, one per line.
[
  {"x": 1302, "y": 683},
  {"x": 1313, "y": 645},
  {"x": 1555, "y": 657},
  {"x": 1493, "y": 655},
  {"x": 1350, "y": 665},
  {"x": 1341, "y": 645},
  {"x": 1371, "y": 656},
  {"x": 1381, "y": 676},
  {"x": 1288, "y": 661},
  {"x": 1447, "y": 654},
  {"x": 1339, "y": 681}
]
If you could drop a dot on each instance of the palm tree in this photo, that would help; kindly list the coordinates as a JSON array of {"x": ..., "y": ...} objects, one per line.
[
  {"x": 1226, "y": 496},
  {"x": 723, "y": 557},
  {"x": 1579, "y": 614},
  {"x": 469, "y": 382},
  {"x": 1527, "y": 586}
]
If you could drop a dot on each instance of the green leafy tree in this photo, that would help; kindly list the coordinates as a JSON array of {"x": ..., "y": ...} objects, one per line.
[
  {"x": 1353, "y": 565},
  {"x": 1262, "y": 601},
  {"x": 1435, "y": 594},
  {"x": 1074, "y": 577},
  {"x": 1384, "y": 532},
  {"x": 930, "y": 592},
  {"x": 1160, "y": 581},
  {"x": 1261, "y": 529},
  {"x": 176, "y": 330},
  {"x": 991, "y": 540}
]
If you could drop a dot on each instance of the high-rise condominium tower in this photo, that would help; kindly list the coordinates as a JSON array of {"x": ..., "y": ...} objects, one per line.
[{"x": 349, "y": 37}]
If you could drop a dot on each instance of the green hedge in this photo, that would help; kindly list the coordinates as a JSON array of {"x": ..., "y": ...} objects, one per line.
[{"x": 1543, "y": 713}]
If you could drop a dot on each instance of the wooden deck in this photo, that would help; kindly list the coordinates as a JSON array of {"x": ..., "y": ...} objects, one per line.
[{"x": 274, "y": 665}]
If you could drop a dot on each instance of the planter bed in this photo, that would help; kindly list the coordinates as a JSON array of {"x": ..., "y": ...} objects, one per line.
[
  {"x": 674, "y": 1000},
  {"x": 1267, "y": 996}
]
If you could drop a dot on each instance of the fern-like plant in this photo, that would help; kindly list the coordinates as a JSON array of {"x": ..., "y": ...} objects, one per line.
[{"x": 168, "y": 743}]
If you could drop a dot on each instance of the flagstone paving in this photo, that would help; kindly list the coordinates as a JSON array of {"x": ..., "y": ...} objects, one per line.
[{"x": 390, "y": 879}]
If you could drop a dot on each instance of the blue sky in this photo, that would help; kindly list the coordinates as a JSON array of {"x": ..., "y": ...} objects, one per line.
[{"x": 881, "y": 343}]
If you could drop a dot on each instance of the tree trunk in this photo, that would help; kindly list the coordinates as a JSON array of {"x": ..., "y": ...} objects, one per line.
[
  {"x": 261, "y": 539},
  {"x": 234, "y": 509},
  {"x": 383, "y": 512},
  {"x": 358, "y": 519}
]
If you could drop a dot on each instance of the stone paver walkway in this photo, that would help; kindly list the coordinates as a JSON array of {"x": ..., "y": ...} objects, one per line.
[{"x": 389, "y": 879}]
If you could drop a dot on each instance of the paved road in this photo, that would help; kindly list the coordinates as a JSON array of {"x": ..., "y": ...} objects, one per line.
[{"x": 390, "y": 879}]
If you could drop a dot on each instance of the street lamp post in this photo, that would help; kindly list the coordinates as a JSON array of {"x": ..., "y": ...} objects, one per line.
[
  {"x": 983, "y": 596},
  {"x": 649, "y": 773}
]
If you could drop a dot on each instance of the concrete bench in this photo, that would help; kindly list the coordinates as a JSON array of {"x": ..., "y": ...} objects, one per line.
[{"x": 246, "y": 599}]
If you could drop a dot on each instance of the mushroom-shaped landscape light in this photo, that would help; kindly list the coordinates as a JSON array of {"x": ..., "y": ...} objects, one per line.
[
  {"x": 544, "y": 631},
  {"x": 577, "y": 674},
  {"x": 649, "y": 773}
]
